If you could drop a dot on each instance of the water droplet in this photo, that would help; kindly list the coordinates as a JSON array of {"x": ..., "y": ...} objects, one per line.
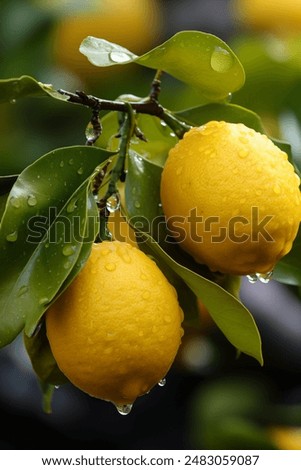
[
  {"x": 221, "y": 60},
  {"x": 43, "y": 301},
  {"x": 265, "y": 278},
  {"x": 162, "y": 382},
  {"x": 124, "y": 410},
  {"x": 12, "y": 237},
  {"x": 243, "y": 153},
  {"x": 80, "y": 171},
  {"x": 32, "y": 201},
  {"x": 61, "y": 164},
  {"x": 137, "y": 204},
  {"x": 110, "y": 267},
  {"x": 71, "y": 206},
  {"x": 13, "y": 101},
  {"x": 68, "y": 250},
  {"x": 146, "y": 295},
  {"x": 56, "y": 387},
  {"x": 252, "y": 278},
  {"x": 163, "y": 123},
  {"x": 71, "y": 161},
  {"x": 67, "y": 265},
  {"x": 15, "y": 202},
  {"x": 22, "y": 290},
  {"x": 113, "y": 203},
  {"x": 119, "y": 57}
]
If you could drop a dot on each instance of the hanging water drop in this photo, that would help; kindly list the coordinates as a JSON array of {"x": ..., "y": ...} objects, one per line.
[
  {"x": 162, "y": 382},
  {"x": 113, "y": 203},
  {"x": 252, "y": 278},
  {"x": 124, "y": 410},
  {"x": 265, "y": 278},
  {"x": 13, "y": 101}
]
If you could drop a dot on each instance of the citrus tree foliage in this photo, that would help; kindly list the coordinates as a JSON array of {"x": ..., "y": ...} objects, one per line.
[{"x": 58, "y": 205}]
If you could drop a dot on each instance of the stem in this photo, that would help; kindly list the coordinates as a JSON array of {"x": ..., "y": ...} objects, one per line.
[
  {"x": 149, "y": 106},
  {"x": 126, "y": 132}
]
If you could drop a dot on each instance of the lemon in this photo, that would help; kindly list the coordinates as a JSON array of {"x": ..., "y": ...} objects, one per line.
[
  {"x": 116, "y": 330},
  {"x": 286, "y": 437},
  {"x": 269, "y": 15},
  {"x": 134, "y": 24},
  {"x": 231, "y": 198}
]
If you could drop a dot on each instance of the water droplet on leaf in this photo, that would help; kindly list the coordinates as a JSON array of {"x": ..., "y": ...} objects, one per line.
[
  {"x": 221, "y": 60},
  {"x": 119, "y": 57},
  {"x": 71, "y": 206},
  {"x": 32, "y": 201},
  {"x": 68, "y": 250},
  {"x": 43, "y": 301},
  {"x": 22, "y": 290},
  {"x": 12, "y": 237},
  {"x": 15, "y": 202}
]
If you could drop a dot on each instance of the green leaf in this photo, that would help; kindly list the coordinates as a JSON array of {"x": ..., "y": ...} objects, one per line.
[
  {"x": 160, "y": 138},
  {"x": 201, "y": 60},
  {"x": 47, "y": 391},
  {"x": 230, "y": 315},
  {"x": 221, "y": 112},
  {"x": 41, "y": 234},
  {"x": 42, "y": 359},
  {"x": 288, "y": 269},
  {"x": 13, "y": 89},
  {"x": 142, "y": 195}
]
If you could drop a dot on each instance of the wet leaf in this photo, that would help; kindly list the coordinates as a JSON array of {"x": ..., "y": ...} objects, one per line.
[
  {"x": 201, "y": 60},
  {"x": 41, "y": 234},
  {"x": 142, "y": 196},
  {"x": 42, "y": 359},
  {"x": 13, "y": 89}
]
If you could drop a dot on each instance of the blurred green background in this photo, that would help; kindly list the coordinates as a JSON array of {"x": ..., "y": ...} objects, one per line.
[{"x": 212, "y": 400}]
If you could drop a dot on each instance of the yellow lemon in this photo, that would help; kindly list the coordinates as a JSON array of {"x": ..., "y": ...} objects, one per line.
[
  {"x": 116, "y": 330},
  {"x": 286, "y": 437},
  {"x": 231, "y": 198},
  {"x": 269, "y": 15}
]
